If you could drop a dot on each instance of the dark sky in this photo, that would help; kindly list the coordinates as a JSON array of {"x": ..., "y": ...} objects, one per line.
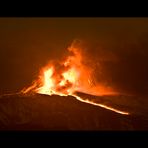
[{"x": 119, "y": 44}]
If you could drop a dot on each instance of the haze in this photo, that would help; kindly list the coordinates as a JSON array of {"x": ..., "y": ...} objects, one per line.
[{"x": 118, "y": 44}]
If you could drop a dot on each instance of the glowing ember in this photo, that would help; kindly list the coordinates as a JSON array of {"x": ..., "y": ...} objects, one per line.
[{"x": 73, "y": 76}]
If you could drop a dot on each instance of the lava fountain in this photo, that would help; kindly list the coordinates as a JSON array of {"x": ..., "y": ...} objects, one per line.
[{"x": 68, "y": 76}]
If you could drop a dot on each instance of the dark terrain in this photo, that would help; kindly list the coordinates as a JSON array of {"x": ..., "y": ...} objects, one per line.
[{"x": 42, "y": 112}]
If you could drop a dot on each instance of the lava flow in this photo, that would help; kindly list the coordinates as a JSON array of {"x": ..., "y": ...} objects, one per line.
[{"x": 68, "y": 76}]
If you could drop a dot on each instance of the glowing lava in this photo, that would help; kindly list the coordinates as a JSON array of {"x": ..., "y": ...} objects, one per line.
[{"x": 71, "y": 75}]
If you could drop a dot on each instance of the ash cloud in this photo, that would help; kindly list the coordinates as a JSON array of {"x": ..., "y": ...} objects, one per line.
[{"x": 122, "y": 66}]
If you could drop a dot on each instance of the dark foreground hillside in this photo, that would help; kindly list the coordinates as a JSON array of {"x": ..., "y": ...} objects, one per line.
[{"x": 41, "y": 112}]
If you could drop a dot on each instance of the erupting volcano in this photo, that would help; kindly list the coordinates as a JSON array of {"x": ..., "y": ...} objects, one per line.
[
  {"x": 74, "y": 74},
  {"x": 69, "y": 77}
]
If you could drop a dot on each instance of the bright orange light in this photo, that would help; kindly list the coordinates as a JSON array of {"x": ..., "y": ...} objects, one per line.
[
  {"x": 75, "y": 76},
  {"x": 71, "y": 75},
  {"x": 48, "y": 82}
]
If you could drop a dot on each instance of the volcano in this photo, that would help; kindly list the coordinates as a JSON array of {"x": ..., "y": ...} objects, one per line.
[{"x": 44, "y": 112}]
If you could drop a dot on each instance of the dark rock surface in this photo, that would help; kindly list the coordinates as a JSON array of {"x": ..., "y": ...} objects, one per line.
[{"x": 42, "y": 112}]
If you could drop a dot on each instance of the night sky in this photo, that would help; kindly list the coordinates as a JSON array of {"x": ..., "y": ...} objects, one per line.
[{"x": 120, "y": 45}]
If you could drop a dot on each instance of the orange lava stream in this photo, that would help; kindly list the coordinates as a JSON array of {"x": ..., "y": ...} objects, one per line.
[{"x": 101, "y": 105}]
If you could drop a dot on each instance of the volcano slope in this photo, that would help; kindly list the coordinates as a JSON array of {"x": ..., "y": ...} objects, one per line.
[{"x": 43, "y": 112}]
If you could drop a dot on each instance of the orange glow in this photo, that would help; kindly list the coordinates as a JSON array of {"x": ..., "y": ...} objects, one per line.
[
  {"x": 73, "y": 76},
  {"x": 48, "y": 82}
]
